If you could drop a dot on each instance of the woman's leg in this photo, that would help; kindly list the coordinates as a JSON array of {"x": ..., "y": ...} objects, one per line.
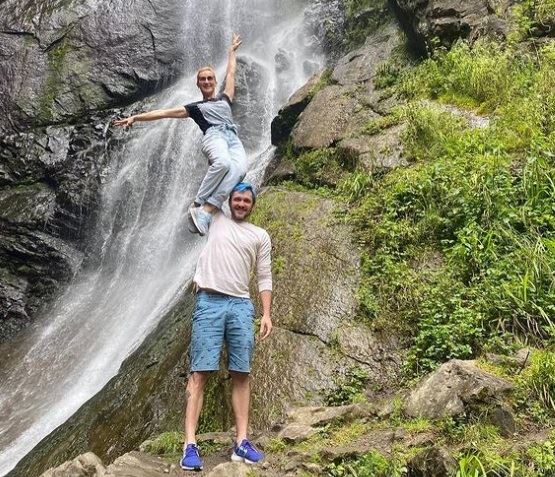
[{"x": 216, "y": 149}]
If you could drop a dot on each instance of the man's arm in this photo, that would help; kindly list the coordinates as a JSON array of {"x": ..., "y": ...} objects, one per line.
[
  {"x": 266, "y": 321},
  {"x": 229, "y": 89},
  {"x": 178, "y": 112}
]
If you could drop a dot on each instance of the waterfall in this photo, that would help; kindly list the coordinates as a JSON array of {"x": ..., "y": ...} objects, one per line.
[{"x": 143, "y": 257}]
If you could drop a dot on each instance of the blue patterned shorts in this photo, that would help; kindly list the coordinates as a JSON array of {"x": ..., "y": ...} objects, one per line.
[{"x": 218, "y": 318}]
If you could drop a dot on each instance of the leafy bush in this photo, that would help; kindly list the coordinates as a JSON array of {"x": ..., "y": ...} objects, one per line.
[
  {"x": 372, "y": 464},
  {"x": 168, "y": 443},
  {"x": 323, "y": 167},
  {"x": 541, "y": 457},
  {"x": 349, "y": 389},
  {"x": 538, "y": 380}
]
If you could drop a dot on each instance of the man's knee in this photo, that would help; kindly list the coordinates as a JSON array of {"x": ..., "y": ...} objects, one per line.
[
  {"x": 197, "y": 380},
  {"x": 239, "y": 378}
]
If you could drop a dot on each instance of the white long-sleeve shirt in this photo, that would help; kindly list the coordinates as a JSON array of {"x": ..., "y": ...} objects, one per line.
[{"x": 230, "y": 256}]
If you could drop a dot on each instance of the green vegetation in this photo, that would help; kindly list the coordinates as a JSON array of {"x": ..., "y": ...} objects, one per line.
[
  {"x": 363, "y": 16},
  {"x": 531, "y": 17},
  {"x": 323, "y": 167},
  {"x": 349, "y": 389},
  {"x": 167, "y": 444},
  {"x": 461, "y": 245},
  {"x": 538, "y": 381},
  {"x": 372, "y": 464}
]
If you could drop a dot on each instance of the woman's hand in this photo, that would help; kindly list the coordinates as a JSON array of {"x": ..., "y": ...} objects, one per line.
[
  {"x": 125, "y": 122},
  {"x": 235, "y": 42}
]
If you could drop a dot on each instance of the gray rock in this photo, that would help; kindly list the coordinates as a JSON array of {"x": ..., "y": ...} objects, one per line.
[
  {"x": 230, "y": 469},
  {"x": 49, "y": 183},
  {"x": 523, "y": 357},
  {"x": 502, "y": 417},
  {"x": 85, "y": 465},
  {"x": 453, "y": 388},
  {"x": 319, "y": 416},
  {"x": 433, "y": 462},
  {"x": 427, "y": 21},
  {"x": 297, "y": 365},
  {"x": 295, "y": 433},
  {"x": 381, "y": 151},
  {"x": 283, "y": 123},
  {"x": 360, "y": 66},
  {"x": 313, "y": 468},
  {"x": 339, "y": 111},
  {"x": 333, "y": 114},
  {"x": 251, "y": 89},
  {"x": 137, "y": 464}
]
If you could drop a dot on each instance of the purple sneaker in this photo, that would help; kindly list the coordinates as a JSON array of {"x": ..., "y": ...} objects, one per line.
[
  {"x": 191, "y": 458},
  {"x": 246, "y": 452}
]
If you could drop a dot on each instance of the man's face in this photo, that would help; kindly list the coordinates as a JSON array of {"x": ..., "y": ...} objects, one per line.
[
  {"x": 241, "y": 204},
  {"x": 206, "y": 81}
]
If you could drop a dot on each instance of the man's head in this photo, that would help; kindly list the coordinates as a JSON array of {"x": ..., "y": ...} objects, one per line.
[
  {"x": 241, "y": 201},
  {"x": 206, "y": 81}
]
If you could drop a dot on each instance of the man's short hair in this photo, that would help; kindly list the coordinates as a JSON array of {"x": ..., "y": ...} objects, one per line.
[
  {"x": 242, "y": 187},
  {"x": 206, "y": 68}
]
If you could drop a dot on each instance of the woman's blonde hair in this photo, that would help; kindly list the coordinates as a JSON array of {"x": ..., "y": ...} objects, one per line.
[{"x": 206, "y": 68}]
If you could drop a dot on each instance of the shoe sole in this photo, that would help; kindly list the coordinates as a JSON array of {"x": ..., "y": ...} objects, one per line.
[
  {"x": 237, "y": 458},
  {"x": 191, "y": 226},
  {"x": 194, "y": 219},
  {"x": 190, "y": 468}
]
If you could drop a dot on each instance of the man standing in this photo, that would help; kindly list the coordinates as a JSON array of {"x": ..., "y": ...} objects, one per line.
[
  {"x": 226, "y": 156},
  {"x": 224, "y": 312}
]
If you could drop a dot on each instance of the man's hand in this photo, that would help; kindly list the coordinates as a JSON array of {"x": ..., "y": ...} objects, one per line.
[
  {"x": 265, "y": 326},
  {"x": 125, "y": 122},
  {"x": 235, "y": 42}
]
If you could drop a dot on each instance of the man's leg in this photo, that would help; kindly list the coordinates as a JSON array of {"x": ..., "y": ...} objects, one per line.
[
  {"x": 239, "y": 333},
  {"x": 240, "y": 401},
  {"x": 194, "y": 397}
]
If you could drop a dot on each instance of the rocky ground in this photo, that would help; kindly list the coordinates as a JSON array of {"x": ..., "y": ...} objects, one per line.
[{"x": 312, "y": 440}]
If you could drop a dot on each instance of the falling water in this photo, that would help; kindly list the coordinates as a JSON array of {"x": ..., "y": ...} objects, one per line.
[{"x": 144, "y": 257}]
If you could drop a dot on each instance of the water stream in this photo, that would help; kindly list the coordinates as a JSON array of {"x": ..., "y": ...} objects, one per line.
[{"x": 143, "y": 255}]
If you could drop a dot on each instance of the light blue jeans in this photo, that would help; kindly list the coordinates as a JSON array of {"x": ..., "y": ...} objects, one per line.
[{"x": 227, "y": 165}]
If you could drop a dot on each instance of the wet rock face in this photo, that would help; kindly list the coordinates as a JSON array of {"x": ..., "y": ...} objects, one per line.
[
  {"x": 432, "y": 23},
  {"x": 59, "y": 60},
  {"x": 252, "y": 84},
  {"x": 49, "y": 181},
  {"x": 315, "y": 275}
]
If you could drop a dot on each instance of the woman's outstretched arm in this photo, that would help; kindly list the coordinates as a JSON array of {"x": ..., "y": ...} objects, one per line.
[{"x": 178, "y": 112}]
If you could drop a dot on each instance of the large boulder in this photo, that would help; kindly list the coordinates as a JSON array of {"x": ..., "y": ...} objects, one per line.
[
  {"x": 62, "y": 59},
  {"x": 433, "y": 23},
  {"x": 340, "y": 110},
  {"x": 283, "y": 123},
  {"x": 84, "y": 465},
  {"x": 456, "y": 388}
]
